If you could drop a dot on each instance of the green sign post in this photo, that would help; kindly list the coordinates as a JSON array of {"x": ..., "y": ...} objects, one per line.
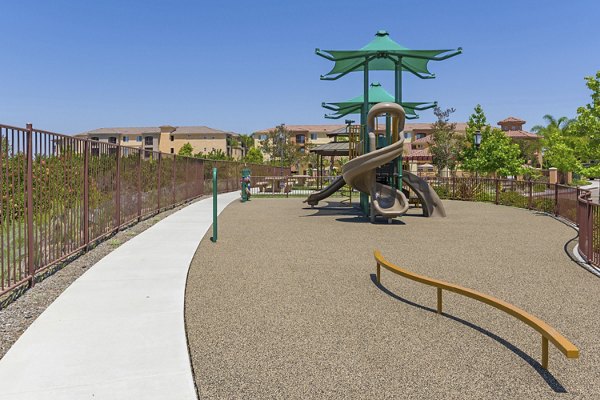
[{"x": 214, "y": 185}]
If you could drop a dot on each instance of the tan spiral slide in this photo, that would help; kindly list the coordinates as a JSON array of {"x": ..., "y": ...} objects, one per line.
[{"x": 360, "y": 173}]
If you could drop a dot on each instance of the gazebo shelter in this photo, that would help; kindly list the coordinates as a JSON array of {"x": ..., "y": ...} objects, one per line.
[{"x": 333, "y": 149}]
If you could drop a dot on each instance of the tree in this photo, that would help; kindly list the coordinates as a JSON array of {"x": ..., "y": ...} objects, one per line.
[
  {"x": 186, "y": 150},
  {"x": 552, "y": 123},
  {"x": 254, "y": 155},
  {"x": 214, "y": 154},
  {"x": 477, "y": 123},
  {"x": 558, "y": 147},
  {"x": 247, "y": 141},
  {"x": 586, "y": 129},
  {"x": 447, "y": 144},
  {"x": 280, "y": 148},
  {"x": 496, "y": 154}
]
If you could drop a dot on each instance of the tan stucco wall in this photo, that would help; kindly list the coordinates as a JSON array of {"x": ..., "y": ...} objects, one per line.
[{"x": 199, "y": 145}]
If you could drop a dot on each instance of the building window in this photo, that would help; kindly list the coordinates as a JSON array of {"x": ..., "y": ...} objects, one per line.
[
  {"x": 406, "y": 135},
  {"x": 126, "y": 138},
  {"x": 172, "y": 138},
  {"x": 172, "y": 150},
  {"x": 112, "y": 140},
  {"x": 95, "y": 138},
  {"x": 300, "y": 139},
  {"x": 138, "y": 139},
  {"x": 262, "y": 137},
  {"x": 420, "y": 135},
  {"x": 314, "y": 136},
  {"x": 301, "y": 149},
  {"x": 148, "y": 141}
]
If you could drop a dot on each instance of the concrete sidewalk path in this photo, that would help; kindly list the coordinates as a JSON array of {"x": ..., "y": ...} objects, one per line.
[{"x": 118, "y": 331}]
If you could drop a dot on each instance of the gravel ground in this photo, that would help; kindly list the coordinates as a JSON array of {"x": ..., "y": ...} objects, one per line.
[
  {"x": 285, "y": 306},
  {"x": 18, "y": 315}
]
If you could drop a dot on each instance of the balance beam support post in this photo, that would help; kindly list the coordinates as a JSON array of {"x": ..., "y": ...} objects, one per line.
[{"x": 544, "y": 353}]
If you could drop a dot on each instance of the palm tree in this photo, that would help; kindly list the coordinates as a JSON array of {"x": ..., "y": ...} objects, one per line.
[{"x": 552, "y": 124}]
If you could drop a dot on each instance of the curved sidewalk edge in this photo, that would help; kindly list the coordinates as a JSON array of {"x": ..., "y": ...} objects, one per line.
[{"x": 118, "y": 331}]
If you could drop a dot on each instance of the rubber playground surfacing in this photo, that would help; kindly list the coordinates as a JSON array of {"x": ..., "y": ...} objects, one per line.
[{"x": 285, "y": 305}]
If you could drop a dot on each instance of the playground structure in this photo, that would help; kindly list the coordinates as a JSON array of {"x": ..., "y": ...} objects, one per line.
[
  {"x": 375, "y": 166},
  {"x": 362, "y": 173}
]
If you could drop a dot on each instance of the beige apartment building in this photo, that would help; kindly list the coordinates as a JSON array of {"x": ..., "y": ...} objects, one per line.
[
  {"x": 305, "y": 136},
  {"x": 170, "y": 139},
  {"x": 418, "y": 138}
]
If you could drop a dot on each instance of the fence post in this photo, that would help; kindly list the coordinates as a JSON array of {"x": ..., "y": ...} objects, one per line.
[
  {"x": 530, "y": 187},
  {"x": 556, "y": 199},
  {"x": 497, "y": 184},
  {"x": 86, "y": 194},
  {"x": 118, "y": 196},
  {"x": 454, "y": 187},
  {"x": 29, "y": 194},
  {"x": 174, "y": 199},
  {"x": 139, "y": 185},
  {"x": 590, "y": 229},
  {"x": 158, "y": 183},
  {"x": 187, "y": 180},
  {"x": 201, "y": 163}
]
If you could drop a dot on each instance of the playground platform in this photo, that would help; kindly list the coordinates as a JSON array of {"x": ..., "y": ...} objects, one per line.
[
  {"x": 287, "y": 306},
  {"x": 118, "y": 331}
]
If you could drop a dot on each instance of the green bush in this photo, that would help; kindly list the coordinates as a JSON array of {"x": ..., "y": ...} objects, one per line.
[
  {"x": 511, "y": 198},
  {"x": 443, "y": 191},
  {"x": 485, "y": 196},
  {"x": 543, "y": 204}
]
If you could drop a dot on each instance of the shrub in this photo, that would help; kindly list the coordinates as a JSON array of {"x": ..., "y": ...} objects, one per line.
[
  {"x": 543, "y": 204},
  {"x": 511, "y": 198}
]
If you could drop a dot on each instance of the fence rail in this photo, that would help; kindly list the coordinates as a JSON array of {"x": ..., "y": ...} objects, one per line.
[
  {"x": 588, "y": 215},
  {"x": 59, "y": 194},
  {"x": 570, "y": 203},
  {"x": 548, "y": 333}
]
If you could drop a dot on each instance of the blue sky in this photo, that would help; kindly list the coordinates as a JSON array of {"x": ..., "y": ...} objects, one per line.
[{"x": 70, "y": 66}]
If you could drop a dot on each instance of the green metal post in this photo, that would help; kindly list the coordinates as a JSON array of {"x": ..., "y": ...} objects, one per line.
[
  {"x": 214, "y": 182},
  {"x": 398, "y": 95},
  {"x": 364, "y": 135}
]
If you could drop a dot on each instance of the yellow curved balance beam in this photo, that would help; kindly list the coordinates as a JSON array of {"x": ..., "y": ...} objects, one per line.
[{"x": 548, "y": 333}]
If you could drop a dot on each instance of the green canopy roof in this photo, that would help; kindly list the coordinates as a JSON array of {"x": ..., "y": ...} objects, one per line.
[
  {"x": 377, "y": 94},
  {"x": 383, "y": 53}
]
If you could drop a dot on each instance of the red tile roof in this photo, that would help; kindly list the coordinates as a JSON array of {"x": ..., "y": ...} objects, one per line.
[
  {"x": 426, "y": 139},
  {"x": 422, "y": 154},
  {"x": 307, "y": 128},
  {"x": 521, "y": 135},
  {"x": 511, "y": 119}
]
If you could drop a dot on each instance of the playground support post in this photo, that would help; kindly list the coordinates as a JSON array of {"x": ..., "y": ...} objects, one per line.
[
  {"x": 214, "y": 186},
  {"x": 364, "y": 134}
]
